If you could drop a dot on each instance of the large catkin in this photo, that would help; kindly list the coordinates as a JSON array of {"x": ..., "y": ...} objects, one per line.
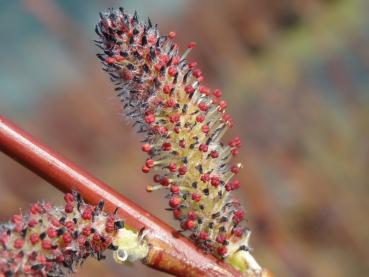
[{"x": 183, "y": 123}]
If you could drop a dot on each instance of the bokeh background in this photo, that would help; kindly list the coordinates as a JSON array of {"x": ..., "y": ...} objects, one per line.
[{"x": 295, "y": 74}]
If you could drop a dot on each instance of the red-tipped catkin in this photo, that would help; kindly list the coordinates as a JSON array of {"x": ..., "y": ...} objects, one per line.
[
  {"x": 183, "y": 122},
  {"x": 52, "y": 241}
]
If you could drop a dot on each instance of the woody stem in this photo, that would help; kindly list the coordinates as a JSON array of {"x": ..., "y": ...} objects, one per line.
[{"x": 169, "y": 252}]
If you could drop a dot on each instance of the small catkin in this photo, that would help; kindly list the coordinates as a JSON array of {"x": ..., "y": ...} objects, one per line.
[
  {"x": 53, "y": 241},
  {"x": 183, "y": 123}
]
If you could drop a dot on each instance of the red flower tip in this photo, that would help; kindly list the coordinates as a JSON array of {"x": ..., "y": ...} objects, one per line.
[
  {"x": 192, "y": 45},
  {"x": 172, "y": 35},
  {"x": 174, "y": 202}
]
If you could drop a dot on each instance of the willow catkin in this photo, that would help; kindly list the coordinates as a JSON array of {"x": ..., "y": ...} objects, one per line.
[
  {"x": 182, "y": 122},
  {"x": 53, "y": 241}
]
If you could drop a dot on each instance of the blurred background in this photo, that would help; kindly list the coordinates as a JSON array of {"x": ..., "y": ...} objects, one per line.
[{"x": 295, "y": 74}]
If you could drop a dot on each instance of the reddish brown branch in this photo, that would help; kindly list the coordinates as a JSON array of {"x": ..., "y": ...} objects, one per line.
[{"x": 169, "y": 252}]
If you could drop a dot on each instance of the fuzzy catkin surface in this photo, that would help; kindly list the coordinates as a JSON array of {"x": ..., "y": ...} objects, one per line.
[
  {"x": 53, "y": 241},
  {"x": 182, "y": 122}
]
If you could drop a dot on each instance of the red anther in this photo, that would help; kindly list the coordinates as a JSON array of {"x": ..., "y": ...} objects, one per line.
[
  {"x": 236, "y": 142},
  {"x": 46, "y": 244},
  {"x": 67, "y": 238},
  {"x": 175, "y": 202},
  {"x": 203, "y": 235},
  {"x": 60, "y": 258},
  {"x": 196, "y": 197},
  {"x": 162, "y": 130},
  {"x": 203, "y": 148},
  {"x": 172, "y": 71},
  {"x": 167, "y": 88},
  {"x": 238, "y": 232},
  {"x": 32, "y": 223},
  {"x": 157, "y": 178},
  {"x": 220, "y": 238},
  {"x": 87, "y": 214},
  {"x": 156, "y": 101},
  {"x": 222, "y": 105},
  {"x": 51, "y": 232},
  {"x": 215, "y": 181},
  {"x": 151, "y": 39},
  {"x": 164, "y": 181},
  {"x": 146, "y": 147},
  {"x": 68, "y": 197},
  {"x": 148, "y": 112},
  {"x": 86, "y": 231},
  {"x": 96, "y": 237},
  {"x": 109, "y": 227},
  {"x": 164, "y": 59},
  {"x": 182, "y": 170},
  {"x": 150, "y": 163},
  {"x": 35, "y": 209},
  {"x": 197, "y": 73},
  {"x": 238, "y": 216},
  {"x": 176, "y": 60},
  {"x": 158, "y": 67},
  {"x": 235, "y": 184},
  {"x": 166, "y": 146},
  {"x": 235, "y": 169},
  {"x": 203, "y": 107},
  {"x": 55, "y": 222},
  {"x": 192, "y": 65},
  {"x": 205, "y": 177},
  {"x": 192, "y": 45},
  {"x": 204, "y": 90},
  {"x": 217, "y": 93},
  {"x": 47, "y": 206},
  {"x": 18, "y": 243},
  {"x": 18, "y": 228},
  {"x": 171, "y": 35},
  {"x": 126, "y": 75},
  {"x": 177, "y": 129},
  {"x": 70, "y": 224},
  {"x": 215, "y": 101},
  {"x": 170, "y": 103},
  {"x": 227, "y": 118},
  {"x": 34, "y": 238},
  {"x": 182, "y": 143},
  {"x": 190, "y": 224},
  {"x": 214, "y": 154},
  {"x": 145, "y": 169},
  {"x": 228, "y": 187},
  {"x": 149, "y": 118},
  {"x": 110, "y": 60},
  {"x": 177, "y": 213},
  {"x": 17, "y": 219},
  {"x": 174, "y": 118},
  {"x": 222, "y": 251},
  {"x": 234, "y": 152},
  {"x": 189, "y": 89},
  {"x": 200, "y": 118},
  {"x": 201, "y": 78},
  {"x": 172, "y": 167},
  {"x": 174, "y": 189},
  {"x": 191, "y": 215},
  {"x": 205, "y": 129},
  {"x": 69, "y": 207}
]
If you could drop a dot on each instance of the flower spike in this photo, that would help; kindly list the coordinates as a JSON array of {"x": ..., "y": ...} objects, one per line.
[
  {"x": 183, "y": 122},
  {"x": 53, "y": 241}
]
